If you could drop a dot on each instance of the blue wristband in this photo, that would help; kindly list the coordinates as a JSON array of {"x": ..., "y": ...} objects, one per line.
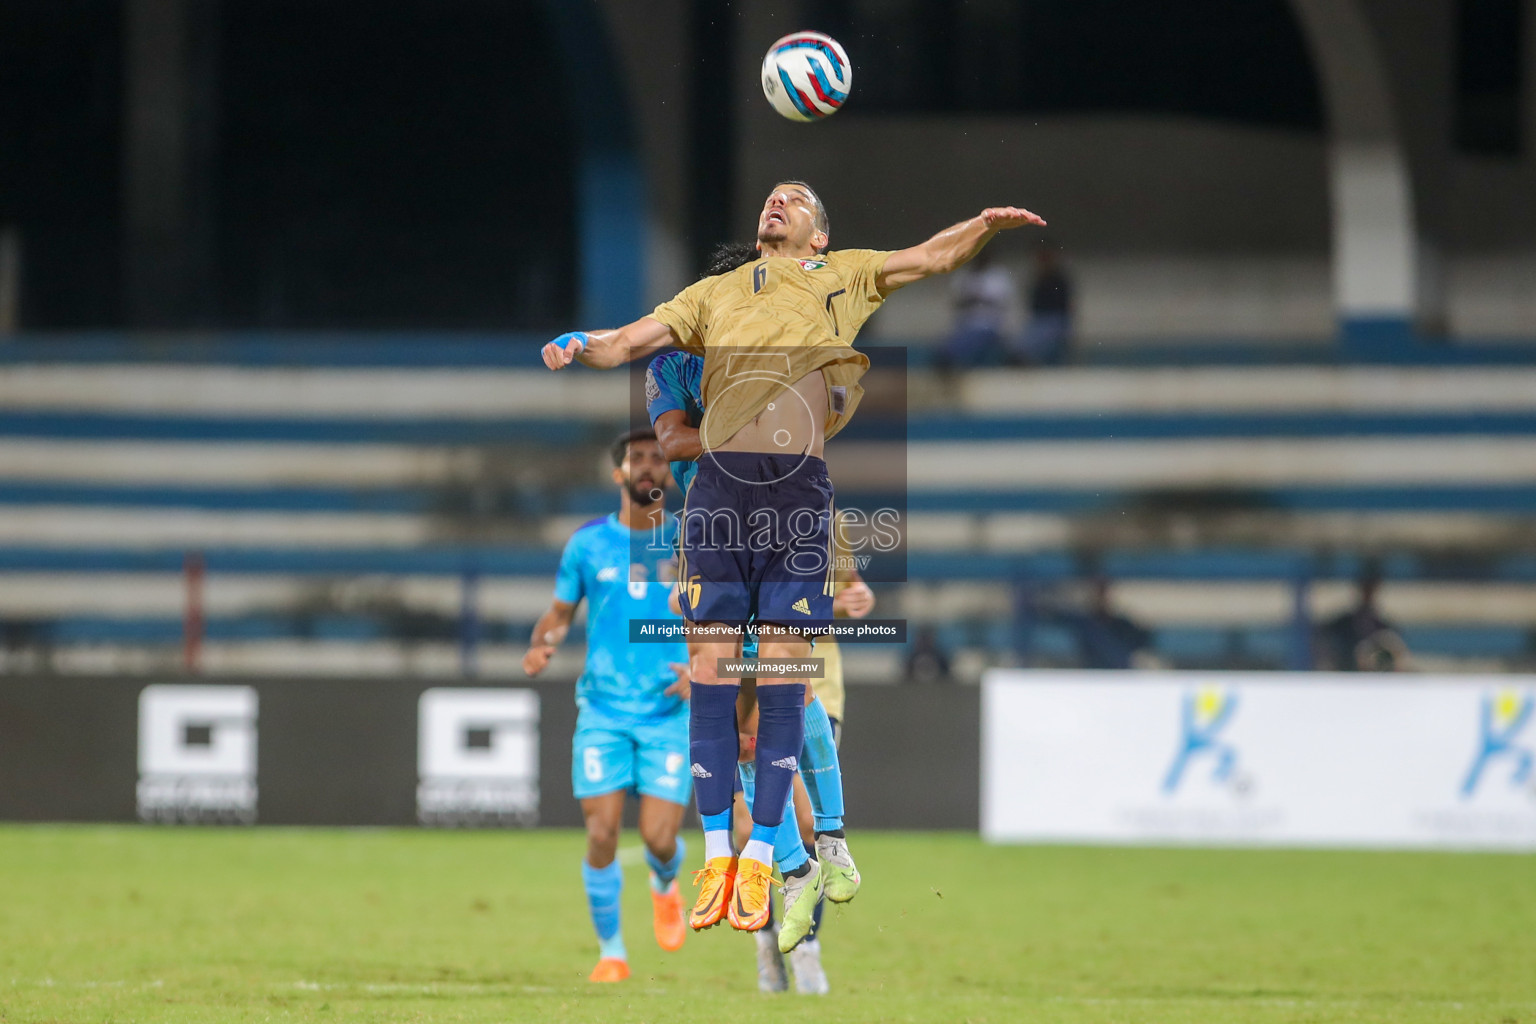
[{"x": 566, "y": 338}]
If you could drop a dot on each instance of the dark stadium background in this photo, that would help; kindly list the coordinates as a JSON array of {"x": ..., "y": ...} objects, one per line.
[{"x": 370, "y": 166}]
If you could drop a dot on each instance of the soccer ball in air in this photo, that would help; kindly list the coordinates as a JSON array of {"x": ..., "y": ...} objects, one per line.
[{"x": 806, "y": 76}]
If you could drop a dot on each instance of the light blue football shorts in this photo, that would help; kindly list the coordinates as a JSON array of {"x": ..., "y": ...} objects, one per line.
[{"x": 648, "y": 756}]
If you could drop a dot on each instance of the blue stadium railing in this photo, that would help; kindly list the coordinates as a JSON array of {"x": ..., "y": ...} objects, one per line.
[
  {"x": 514, "y": 349},
  {"x": 1256, "y": 645}
]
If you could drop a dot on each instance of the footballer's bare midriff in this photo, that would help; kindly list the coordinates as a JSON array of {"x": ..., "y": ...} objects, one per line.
[{"x": 793, "y": 423}]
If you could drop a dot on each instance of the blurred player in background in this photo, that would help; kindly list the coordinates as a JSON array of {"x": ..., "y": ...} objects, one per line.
[
  {"x": 632, "y": 728},
  {"x": 799, "y": 307}
]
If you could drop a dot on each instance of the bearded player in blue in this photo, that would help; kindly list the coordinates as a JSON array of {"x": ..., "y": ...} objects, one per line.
[{"x": 632, "y": 727}]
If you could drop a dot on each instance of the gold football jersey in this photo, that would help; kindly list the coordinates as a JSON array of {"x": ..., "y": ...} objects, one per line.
[
  {"x": 830, "y": 686},
  {"x": 766, "y": 324}
]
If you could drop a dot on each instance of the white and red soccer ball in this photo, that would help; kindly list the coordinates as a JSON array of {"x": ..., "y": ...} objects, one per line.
[{"x": 806, "y": 76}]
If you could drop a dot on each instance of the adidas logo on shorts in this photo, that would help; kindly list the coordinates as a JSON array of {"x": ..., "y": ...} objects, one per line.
[
  {"x": 802, "y": 606},
  {"x": 700, "y": 772},
  {"x": 792, "y": 763}
]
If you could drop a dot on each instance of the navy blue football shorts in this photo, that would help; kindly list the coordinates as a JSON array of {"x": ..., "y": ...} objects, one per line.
[{"x": 757, "y": 541}]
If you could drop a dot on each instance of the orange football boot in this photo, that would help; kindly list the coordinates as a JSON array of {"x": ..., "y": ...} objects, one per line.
[
  {"x": 750, "y": 904},
  {"x": 667, "y": 918},
  {"x": 716, "y": 880},
  {"x": 610, "y": 968}
]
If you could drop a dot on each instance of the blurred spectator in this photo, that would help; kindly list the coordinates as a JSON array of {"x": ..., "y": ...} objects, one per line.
[
  {"x": 1104, "y": 639},
  {"x": 27, "y": 644},
  {"x": 1049, "y": 329},
  {"x": 927, "y": 662},
  {"x": 1360, "y": 639},
  {"x": 983, "y": 295}
]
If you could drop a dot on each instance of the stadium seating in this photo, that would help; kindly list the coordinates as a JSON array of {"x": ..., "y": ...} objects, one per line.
[{"x": 384, "y": 505}]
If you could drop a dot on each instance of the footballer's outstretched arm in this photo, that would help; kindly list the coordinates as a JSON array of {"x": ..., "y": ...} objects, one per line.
[
  {"x": 603, "y": 350},
  {"x": 679, "y": 441},
  {"x": 547, "y": 634},
  {"x": 952, "y": 247}
]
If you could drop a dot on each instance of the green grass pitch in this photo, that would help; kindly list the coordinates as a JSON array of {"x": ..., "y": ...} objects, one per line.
[{"x": 144, "y": 924}]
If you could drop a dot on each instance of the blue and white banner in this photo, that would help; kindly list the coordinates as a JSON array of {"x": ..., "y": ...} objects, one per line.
[{"x": 1259, "y": 759}]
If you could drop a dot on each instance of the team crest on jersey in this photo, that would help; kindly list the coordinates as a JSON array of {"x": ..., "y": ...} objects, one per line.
[{"x": 812, "y": 264}]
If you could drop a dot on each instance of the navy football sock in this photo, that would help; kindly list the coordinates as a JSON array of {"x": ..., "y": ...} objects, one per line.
[
  {"x": 780, "y": 738},
  {"x": 713, "y": 745}
]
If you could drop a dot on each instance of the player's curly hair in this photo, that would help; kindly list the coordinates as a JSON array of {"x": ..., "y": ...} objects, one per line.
[
  {"x": 621, "y": 443},
  {"x": 727, "y": 256}
]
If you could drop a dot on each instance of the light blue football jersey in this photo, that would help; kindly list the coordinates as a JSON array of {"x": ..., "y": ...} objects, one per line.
[
  {"x": 675, "y": 380},
  {"x": 623, "y": 574}
]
